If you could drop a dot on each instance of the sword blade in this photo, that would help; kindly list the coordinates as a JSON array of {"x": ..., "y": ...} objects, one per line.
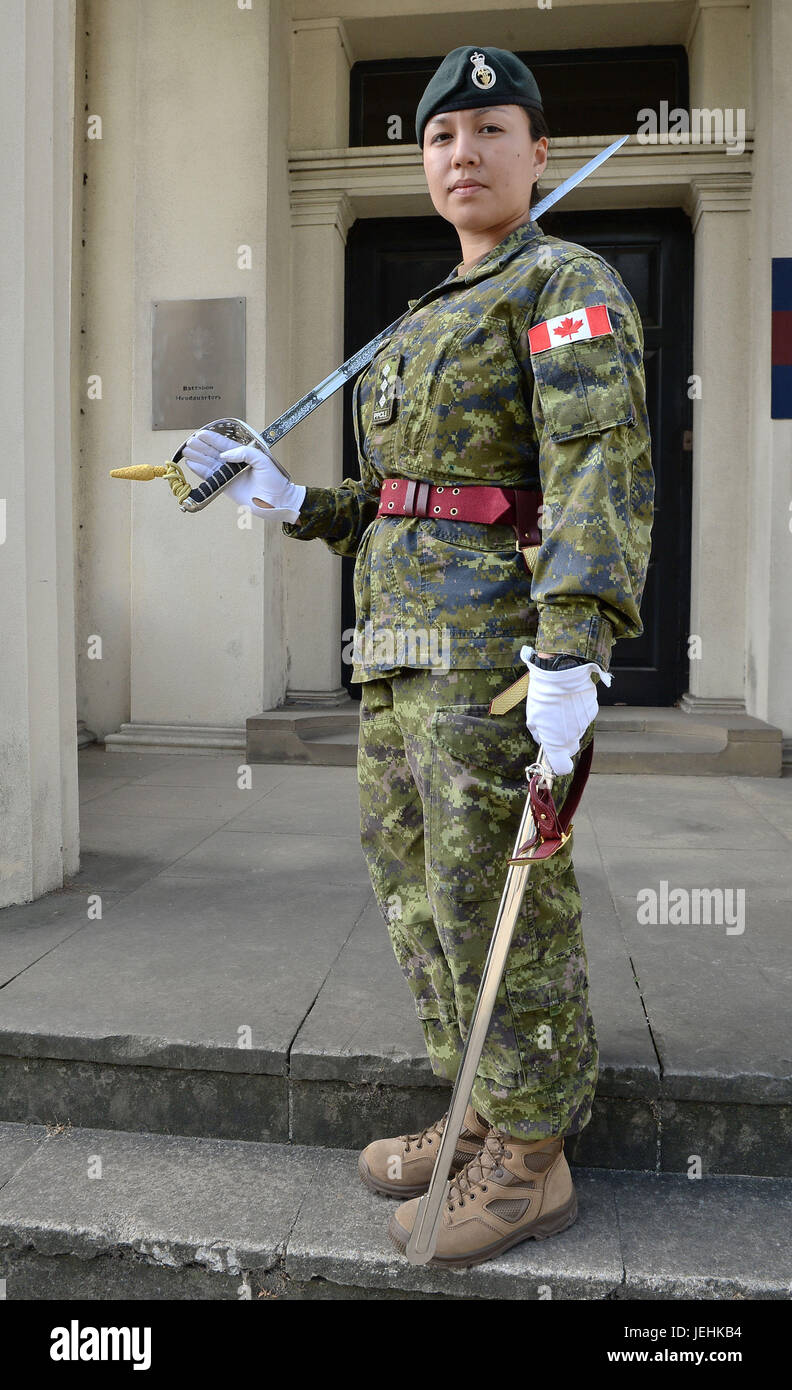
[
  {"x": 576, "y": 178},
  {"x": 214, "y": 484},
  {"x": 423, "y": 1238}
]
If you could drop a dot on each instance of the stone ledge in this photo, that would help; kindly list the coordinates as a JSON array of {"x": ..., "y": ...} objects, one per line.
[
  {"x": 629, "y": 739},
  {"x": 638, "y": 1122},
  {"x": 185, "y": 1218}
]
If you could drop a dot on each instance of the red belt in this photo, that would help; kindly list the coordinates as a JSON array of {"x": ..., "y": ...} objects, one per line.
[
  {"x": 512, "y": 506},
  {"x": 517, "y": 507}
]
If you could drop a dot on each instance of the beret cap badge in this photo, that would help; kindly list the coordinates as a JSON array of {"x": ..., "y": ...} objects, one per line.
[
  {"x": 483, "y": 75},
  {"x": 497, "y": 77}
]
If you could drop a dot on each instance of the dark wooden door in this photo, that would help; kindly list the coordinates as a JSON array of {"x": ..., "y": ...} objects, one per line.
[{"x": 390, "y": 261}]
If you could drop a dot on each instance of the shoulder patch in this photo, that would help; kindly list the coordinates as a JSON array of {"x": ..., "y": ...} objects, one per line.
[
  {"x": 571, "y": 327},
  {"x": 582, "y": 383}
]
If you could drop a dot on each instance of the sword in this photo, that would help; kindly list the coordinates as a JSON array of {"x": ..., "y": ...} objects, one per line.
[
  {"x": 195, "y": 499},
  {"x": 555, "y": 832}
]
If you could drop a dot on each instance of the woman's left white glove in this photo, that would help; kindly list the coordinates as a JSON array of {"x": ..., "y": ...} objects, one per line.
[
  {"x": 261, "y": 482},
  {"x": 559, "y": 708}
]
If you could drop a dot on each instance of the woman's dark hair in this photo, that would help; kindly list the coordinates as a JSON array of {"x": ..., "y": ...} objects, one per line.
[{"x": 539, "y": 127}]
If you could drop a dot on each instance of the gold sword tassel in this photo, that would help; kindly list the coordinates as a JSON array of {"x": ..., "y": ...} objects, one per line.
[{"x": 144, "y": 472}]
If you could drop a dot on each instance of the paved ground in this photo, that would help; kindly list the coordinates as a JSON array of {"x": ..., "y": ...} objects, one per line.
[
  {"x": 223, "y": 909},
  {"x": 239, "y": 986}
]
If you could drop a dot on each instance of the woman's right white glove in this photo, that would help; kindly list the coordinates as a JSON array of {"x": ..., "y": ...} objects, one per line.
[
  {"x": 559, "y": 708},
  {"x": 261, "y": 483}
]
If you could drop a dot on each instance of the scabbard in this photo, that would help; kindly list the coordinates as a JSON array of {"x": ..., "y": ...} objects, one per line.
[
  {"x": 542, "y": 832},
  {"x": 423, "y": 1239}
]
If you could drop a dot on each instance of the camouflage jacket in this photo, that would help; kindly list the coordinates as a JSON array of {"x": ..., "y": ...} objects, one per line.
[{"x": 459, "y": 394}]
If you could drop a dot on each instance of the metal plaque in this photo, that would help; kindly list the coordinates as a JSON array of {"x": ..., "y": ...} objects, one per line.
[{"x": 197, "y": 362}]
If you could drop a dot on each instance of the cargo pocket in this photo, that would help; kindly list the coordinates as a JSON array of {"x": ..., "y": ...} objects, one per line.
[
  {"x": 539, "y": 1038},
  {"x": 550, "y": 1020},
  {"x": 432, "y": 354},
  {"x": 583, "y": 387},
  {"x": 477, "y": 791}
]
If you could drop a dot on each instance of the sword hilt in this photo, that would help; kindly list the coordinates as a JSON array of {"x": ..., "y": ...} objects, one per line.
[{"x": 240, "y": 433}]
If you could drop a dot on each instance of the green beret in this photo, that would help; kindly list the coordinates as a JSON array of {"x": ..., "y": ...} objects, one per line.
[{"x": 471, "y": 77}]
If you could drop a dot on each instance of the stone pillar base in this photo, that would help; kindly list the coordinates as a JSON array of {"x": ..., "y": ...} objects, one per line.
[
  {"x": 321, "y": 698},
  {"x": 710, "y": 704},
  {"x": 175, "y": 738}
]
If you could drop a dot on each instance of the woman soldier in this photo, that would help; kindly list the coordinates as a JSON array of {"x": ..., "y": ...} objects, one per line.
[{"x": 522, "y": 372}]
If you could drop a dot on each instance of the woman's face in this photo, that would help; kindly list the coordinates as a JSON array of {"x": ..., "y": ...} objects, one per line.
[{"x": 491, "y": 148}]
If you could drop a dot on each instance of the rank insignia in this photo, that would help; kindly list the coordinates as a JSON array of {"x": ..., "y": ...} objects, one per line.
[
  {"x": 570, "y": 327},
  {"x": 387, "y": 375}
]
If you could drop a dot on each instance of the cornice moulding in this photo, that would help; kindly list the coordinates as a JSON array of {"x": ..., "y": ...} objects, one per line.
[{"x": 385, "y": 180}]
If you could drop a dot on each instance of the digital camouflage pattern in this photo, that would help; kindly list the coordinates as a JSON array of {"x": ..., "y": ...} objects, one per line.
[
  {"x": 442, "y": 789},
  {"x": 455, "y": 396}
]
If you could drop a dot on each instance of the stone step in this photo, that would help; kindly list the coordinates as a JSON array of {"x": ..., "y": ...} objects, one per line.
[
  {"x": 133, "y": 1023},
  {"x": 108, "y": 1214},
  {"x": 240, "y": 983},
  {"x": 175, "y": 739},
  {"x": 319, "y": 1095},
  {"x": 629, "y": 739}
]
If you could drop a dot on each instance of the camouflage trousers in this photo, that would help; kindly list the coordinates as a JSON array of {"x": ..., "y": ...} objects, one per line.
[{"x": 442, "y": 789}]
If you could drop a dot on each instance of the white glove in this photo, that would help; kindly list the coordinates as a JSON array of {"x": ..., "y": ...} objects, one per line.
[
  {"x": 262, "y": 483},
  {"x": 559, "y": 708}
]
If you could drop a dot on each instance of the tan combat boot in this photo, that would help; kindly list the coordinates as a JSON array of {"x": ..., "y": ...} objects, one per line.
[
  {"x": 402, "y": 1167},
  {"x": 513, "y": 1190}
]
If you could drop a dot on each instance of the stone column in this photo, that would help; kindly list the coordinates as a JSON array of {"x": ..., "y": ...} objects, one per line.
[
  {"x": 320, "y": 222},
  {"x": 719, "y": 211},
  {"x": 39, "y": 844},
  {"x": 718, "y": 42},
  {"x": 769, "y": 576},
  {"x": 313, "y": 572}
]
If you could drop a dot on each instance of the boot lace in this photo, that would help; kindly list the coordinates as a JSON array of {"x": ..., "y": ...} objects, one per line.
[
  {"x": 478, "y": 1169},
  {"x": 427, "y": 1133}
]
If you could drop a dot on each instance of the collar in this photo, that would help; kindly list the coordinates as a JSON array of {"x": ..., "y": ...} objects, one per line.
[
  {"x": 491, "y": 261},
  {"x": 505, "y": 251}
]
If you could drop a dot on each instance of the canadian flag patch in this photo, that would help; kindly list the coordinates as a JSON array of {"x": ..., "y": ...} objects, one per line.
[{"x": 570, "y": 327}]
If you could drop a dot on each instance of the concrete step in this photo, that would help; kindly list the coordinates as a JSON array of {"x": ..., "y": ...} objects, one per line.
[
  {"x": 107, "y": 1214},
  {"x": 240, "y": 983},
  {"x": 629, "y": 740},
  {"x": 319, "y": 1091},
  {"x": 189, "y": 739}
]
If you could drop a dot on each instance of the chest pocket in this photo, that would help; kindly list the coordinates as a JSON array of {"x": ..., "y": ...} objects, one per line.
[
  {"x": 583, "y": 387},
  {"x": 423, "y": 375}
]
